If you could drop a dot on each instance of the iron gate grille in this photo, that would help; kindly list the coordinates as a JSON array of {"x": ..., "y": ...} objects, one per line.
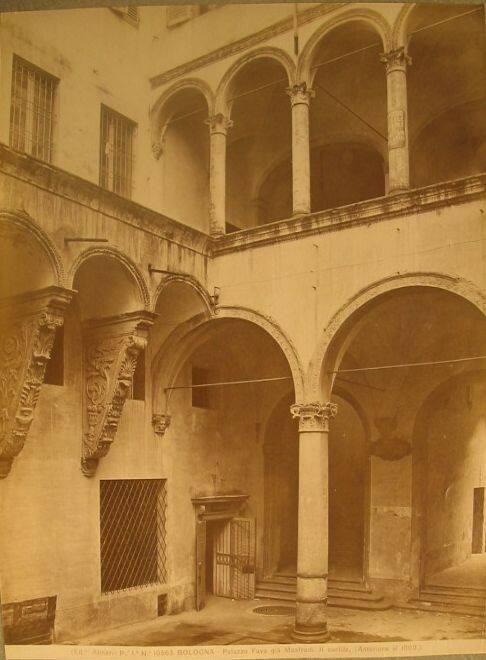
[
  {"x": 132, "y": 533},
  {"x": 32, "y": 109}
]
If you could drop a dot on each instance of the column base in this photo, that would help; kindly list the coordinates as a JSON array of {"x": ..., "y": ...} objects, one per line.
[{"x": 311, "y": 634}]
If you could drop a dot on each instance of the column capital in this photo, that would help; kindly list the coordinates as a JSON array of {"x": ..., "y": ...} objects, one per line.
[
  {"x": 300, "y": 93},
  {"x": 396, "y": 59},
  {"x": 219, "y": 123},
  {"x": 313, "y": 416}
]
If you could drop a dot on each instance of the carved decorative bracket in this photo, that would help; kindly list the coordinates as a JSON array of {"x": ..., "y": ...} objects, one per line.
[
  {"x": 160, "y": 423},
  {"x": 28, "y": 324},
  {"x": 111, "y": 349},
  {"x": 313, "y": 416}
]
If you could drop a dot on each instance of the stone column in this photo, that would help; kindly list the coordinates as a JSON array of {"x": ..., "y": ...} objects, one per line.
[
  {"x": 218, "y": 130},
  {"x": 313, "y": 544},
  {"x": 299, "y": 98},
  {"x": 398, "y": 155}
]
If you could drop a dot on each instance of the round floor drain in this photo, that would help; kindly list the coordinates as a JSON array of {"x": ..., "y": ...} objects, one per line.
[{"x": 275, "y": 610}]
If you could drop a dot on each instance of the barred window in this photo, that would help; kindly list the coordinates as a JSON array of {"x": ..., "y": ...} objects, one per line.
[
  {"x": 132, "y": 533},
  {"x": 32, "y": 109},
  {"x": 116, "y": 152},
  {"x": 129, "y": 13}
]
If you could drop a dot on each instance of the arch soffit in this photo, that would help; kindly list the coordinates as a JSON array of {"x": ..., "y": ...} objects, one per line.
[
  {"x": 456, "y": 285},
  {"x": 117, "y": 255},
  {"x": 221, "y": 101},
  {"x": 185, "y": 339},
  {"x": 159, "y": 113},
  {"x": 25, "y": 223},
  {"x": 368, "y": 16}
]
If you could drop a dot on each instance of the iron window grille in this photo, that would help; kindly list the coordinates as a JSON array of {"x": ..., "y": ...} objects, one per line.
[
  {"x": 132, "y": 533},
  {"x": 129, "y": 13},
  {"x": 116, "y": 152},
  {"x": 32, "y": 109}
]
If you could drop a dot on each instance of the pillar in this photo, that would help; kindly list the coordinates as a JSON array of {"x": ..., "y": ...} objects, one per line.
[
  {"x": 313, "y": 544},
  {"x": 299, "y": 98},
  {"x": 218, "y": 130},
  {"x": 398, "y": 154}
]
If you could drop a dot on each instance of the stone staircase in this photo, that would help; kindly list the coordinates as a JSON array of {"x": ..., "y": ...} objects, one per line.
[
  {"x": 353, "y": 595},
  {"x": 470, "y": 601}
]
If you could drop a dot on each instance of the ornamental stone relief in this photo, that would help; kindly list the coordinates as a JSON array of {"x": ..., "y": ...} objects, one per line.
[
  {"x": 111, "y": 349},
  {"x": 27, "y": 325}
]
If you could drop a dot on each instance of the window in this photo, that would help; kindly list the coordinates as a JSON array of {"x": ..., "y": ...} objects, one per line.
[
  {"x": 132, "y": 533},
  {"x": 200, "y": 395},
  {"x": 178, "y": 14},
  {"x": 116, "y": 152},
  {"x": 55, "y": 365},
  {"x": 32, "y": 109},
  {"x": 129, "y": 13}
]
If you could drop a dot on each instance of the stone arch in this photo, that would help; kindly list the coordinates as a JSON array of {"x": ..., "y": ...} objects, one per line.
[
  {"x": 366, "y": 16},
  {"x": 400, "y": 27},
  {"x": 21, "y": 221},
  {"x": 185, "y": 279},
  {"x": 159, "y": 114},
  {"x": 327, "y": 352},
  {"x": 113, "y": 253},
  {"x": 280, "y": 56},
  {"x": 185, "y": 338}
]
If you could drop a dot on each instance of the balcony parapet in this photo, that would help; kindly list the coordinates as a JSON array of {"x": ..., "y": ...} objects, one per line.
[
  {"x": 77, "y": 190},
  {"x": 407, "y": 203}
]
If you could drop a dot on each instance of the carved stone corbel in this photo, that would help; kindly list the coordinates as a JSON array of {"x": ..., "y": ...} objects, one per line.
[
  {"x": 28, "y": 325},
  {"x": 160, "y": 423},
  {"x": 111, "y": 349}
]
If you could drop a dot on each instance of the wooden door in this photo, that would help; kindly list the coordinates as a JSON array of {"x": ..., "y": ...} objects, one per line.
[
  {"x": 200, "y": 564},
  {"x": 234, "y": 560}
]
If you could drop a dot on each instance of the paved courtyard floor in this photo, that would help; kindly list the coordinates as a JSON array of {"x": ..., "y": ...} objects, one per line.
[{"x": 224, "y": 621}]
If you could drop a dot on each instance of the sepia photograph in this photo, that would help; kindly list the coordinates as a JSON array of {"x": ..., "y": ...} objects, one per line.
[{"x": 243, "y": 330}]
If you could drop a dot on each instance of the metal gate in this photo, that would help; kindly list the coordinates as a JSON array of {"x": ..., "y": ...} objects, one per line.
[{"x": 234, "y": 560}]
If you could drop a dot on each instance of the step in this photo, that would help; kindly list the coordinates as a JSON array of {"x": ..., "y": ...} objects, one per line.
[
  {"x": 446, "y": 589},
  {"x": 441, "y": 607},
  {"x": 275, "y": 595},
  {"x": 454, "y": 598}
]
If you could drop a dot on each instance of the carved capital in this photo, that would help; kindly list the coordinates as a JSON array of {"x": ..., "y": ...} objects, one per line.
[
  {"x": 219, "y": 124},
  {"x": 160, "y": 423},
  {"x": 300, "y": 93},
  {"x": 27, "y": 329},
  {"x": 111, "y": 349},
  {"x": 395, "y": 59},
  {"x": 313, "y": 416}
]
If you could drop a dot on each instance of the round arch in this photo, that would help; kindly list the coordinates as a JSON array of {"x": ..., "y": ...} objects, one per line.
[
  {"x": 196, "y": 286},
  {"x": 221, "y": 99},
  {"x": 189, "y": 335},
  {"x": 160, "y": 114},
  {"x": 366, "y": 16},
  {"x": 121, "y": 258},
  {"x": 338, "y": 334},
  {"x": 23, "y": 222}
]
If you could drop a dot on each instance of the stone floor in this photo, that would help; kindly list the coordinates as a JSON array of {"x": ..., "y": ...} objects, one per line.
[{"x": 233, "y": 622}]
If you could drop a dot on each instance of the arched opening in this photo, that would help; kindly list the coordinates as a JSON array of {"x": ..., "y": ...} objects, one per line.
[
  {"x": 258, "y": 142},
  {"x": 450, "y": 456},
  {"x": 184, "y": 159},
  {"x": 446, "y": 94},
  {"x": 25, "y": 264},
  {"x": 348, "y": 126},
  {"x": 371, "y": 355},
  {"x": 216, "y": 447}
]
